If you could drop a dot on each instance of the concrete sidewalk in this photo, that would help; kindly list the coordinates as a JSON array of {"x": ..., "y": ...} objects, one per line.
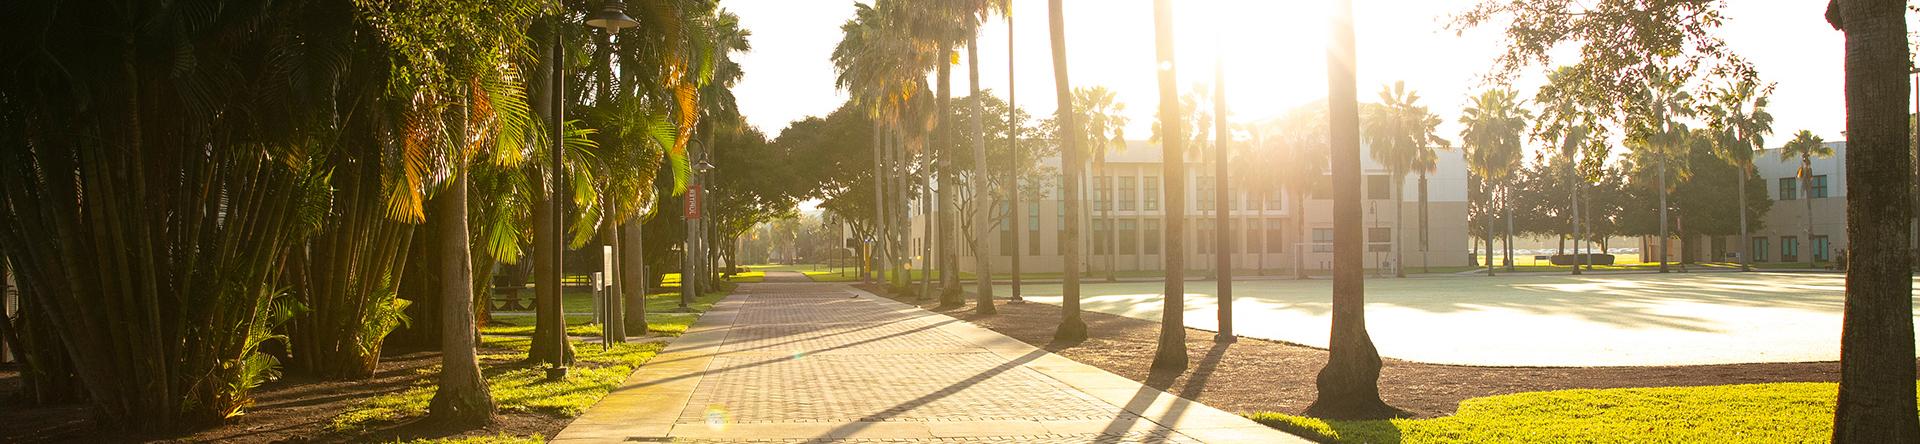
[{"x": 808, "y": 362}]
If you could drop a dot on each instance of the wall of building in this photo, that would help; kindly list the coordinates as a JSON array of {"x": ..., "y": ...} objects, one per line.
[{"x": 1789, "y": 218}]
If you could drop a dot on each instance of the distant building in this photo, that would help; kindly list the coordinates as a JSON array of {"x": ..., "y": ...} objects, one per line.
[
  {"x": 1783, "y": 237},
  {"x": 1263, "y": 230}
]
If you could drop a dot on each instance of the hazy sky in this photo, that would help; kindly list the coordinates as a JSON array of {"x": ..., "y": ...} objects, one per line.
[{"x": 1276, "y": 56}]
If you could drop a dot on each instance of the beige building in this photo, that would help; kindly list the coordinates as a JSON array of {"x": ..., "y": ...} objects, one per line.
[
  {"x": 1128, "y": 217},
  {"x": 1783, "y": 238}
]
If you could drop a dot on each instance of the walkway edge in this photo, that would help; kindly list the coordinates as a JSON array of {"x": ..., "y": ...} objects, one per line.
[
  {"x": 1183, "y": 416},
  {"x": 651, "y": 399}
]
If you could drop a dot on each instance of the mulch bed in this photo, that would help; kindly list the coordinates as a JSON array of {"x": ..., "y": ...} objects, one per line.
[
  {"x": 288, "y": 410},
  {"x": 1260, "y": 375}
]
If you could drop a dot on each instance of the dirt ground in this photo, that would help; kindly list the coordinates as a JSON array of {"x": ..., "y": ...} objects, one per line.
[
  {"x": 287, "y": 410},
  {"x": 1260, "y": 375}
]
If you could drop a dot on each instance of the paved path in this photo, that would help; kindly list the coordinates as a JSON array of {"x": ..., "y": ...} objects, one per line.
[
  {"x": 1533, "y": 320},
  {"x": 802, "y": 362}
]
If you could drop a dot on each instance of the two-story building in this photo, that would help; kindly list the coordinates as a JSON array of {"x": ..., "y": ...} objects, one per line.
[
  {"x": 1819, "y": 202},
  {"x": 1127, "y": 218}
]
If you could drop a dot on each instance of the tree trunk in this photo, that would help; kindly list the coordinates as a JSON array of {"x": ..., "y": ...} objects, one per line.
[
  {"x": 1506, "y": 207},
  {"x": 1019, "y": 224},
  {"x": 1300, "y": 233},
  {"x": 1662, "y": 183},
  {"x": 1746, "y": 238},
  {"x": 1223, "y": 256},
  {"x": 951, "y": 293},
  {"x": 615, "y": 314},
  {"x": 1574, "y": 202},
  {"x": 1072, "y": 328},
  {"x": 1807, "y": 193},
  {"x": 1399, "y": 224},
  {"x": 462, "y": 396},
  {"x": 879, "y": 197},
  {"x": 1876, "y": 341},
  {"x": 1170, "y": 355},
  {"x": 1424, "y": 261},
  {"x": 1490, "y": 212},
  {"x": 1349, "y": 385},
  {"x": 982, "y": 257},
  {"x": 633, "y": 270}
]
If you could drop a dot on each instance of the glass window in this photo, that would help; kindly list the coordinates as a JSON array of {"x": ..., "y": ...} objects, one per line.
[
  {"x": 1379, "y": 187},
  {"x": 1151, "y": 245},
  {"x": 1204, "y": 187},
  {"x": 1006, "y": 227},
  {"x": 1253, "y": 243},
  {"x": 1759, "y": 249},
  {"x": 1276, "y": 236},
  {"x": 1151, "y": 193},
  {"x": 1233, "y": 236},
  {"x": 1816, "y": 189},
  {"x": 1323, "y": 240},
  {"x": 1126, "y": 193},
  {"x": 1379, "y": 239},
  {"x": 1788, "y": 189},
  {"x": 1100, "y": 239},
  {"x": 1129, "y": 237},
  {"x": 1033, "y": 228},
  {"x": 1820, "y": 246},
  {"x": 1274, "y": 200},
  {"x": 1203, "y": 235},
  {"x": 1102, "y": 194},
  {"x": 1789, "y": 249}
]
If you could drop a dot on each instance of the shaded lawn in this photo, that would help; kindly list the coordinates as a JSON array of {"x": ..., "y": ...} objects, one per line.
[
  {"x": 1747, "y": 413},
  {"x": 662, "y": 317}
]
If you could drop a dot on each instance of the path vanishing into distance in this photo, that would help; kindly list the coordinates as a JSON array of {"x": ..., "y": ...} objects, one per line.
[{"x": 789, "y": 360}]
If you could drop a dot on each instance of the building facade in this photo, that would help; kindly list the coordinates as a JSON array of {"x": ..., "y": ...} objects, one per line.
[
  {"x": 1782, "y": 238},
  {"x": 1127, "y": 219}
]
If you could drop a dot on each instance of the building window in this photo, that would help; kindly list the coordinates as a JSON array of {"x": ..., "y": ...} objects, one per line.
[
  {"x": 1007, "y": 227},
  {"x": 1254, "y": 245},
  {"x": 1151, "y": 245},
  {"x": 1100, "y": 239},
  {"x": 1788, "y": 189},
  {"x": 1274, "y": 201},
  {"x": 1379, "y": 239},
  {"x": 1204, "y": 187},
  {"x": 1276, "y": 236},
  {"x": 1129, "y": 237},
  {"x": 1817, "y": 189},
  {"x": 1203, "y": 235},
  {"x": 1102, "y": 193},
  {"x": 1820, "y": 246},
  {"x": 1150, "y": 193},
  {"x": 1323, "y": 240},
  {"x": 1233, "y": 236},
  {"x": 1789, "y": 249},
  {"x": 1379, "y": 187},
  {"x": 1759, "y": 249},
  {"x": 1033, "y": 228},
  {"x": 1126, "y": 193}
]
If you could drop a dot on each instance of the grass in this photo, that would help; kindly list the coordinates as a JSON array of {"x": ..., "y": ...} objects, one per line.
[
  {"x": 1747, "y": 413},
  {"x": 520, "y": 387},
  {"x": 661, "y": 317}
]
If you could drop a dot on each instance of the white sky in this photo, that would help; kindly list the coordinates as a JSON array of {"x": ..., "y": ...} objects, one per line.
[{"x": 1277, "y": 57}]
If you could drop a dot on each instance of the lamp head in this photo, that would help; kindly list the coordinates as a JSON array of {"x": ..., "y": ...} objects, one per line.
[{"x": 612, "y": 17}]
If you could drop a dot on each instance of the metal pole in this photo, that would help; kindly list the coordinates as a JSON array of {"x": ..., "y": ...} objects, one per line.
[{"x": 556, "y": 364}]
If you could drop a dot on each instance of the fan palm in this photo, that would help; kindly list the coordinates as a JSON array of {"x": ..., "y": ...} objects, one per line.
[
  {"x": 1569, "y": 117},
  {"x": 1401, "y": 134},
  {"x": 1105, "y": 123},
  {"x": 1656, "y": 129},
  {"x": 1741, "y": 124},
  {"x": 1491, "y": 140}
]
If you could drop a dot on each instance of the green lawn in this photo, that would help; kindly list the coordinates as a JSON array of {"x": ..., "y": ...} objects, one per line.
[
  {"x": 520, "y": 387},
  {"x": 1748, "y": 413}
]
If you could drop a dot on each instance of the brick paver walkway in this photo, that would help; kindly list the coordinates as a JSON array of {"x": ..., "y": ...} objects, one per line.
[{"x": 789, "y": 361}]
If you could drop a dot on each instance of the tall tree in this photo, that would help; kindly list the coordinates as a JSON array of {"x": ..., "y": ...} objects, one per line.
[
  {"x": 1804, "y": 148},
  {"x": 1170, "y": 353},
  {"x": 1569, "y": 117},
  {"x": 1876, "y": 339},
  {"x": 1072, "y": 328},
  {"x": 1349, "y": 385},
  {"x": 1223, "y": 257},
  {"x": 1491, "y": 138},
  {"x": 1400, "y": 135},
  {"x": 1656, "y": 129},
  {"x": 1105, "y": 121},
  {"x": 1013, "y": 148},
  {"x": 1741, "y": 124},
  {"x": 1303, "y": 149}
]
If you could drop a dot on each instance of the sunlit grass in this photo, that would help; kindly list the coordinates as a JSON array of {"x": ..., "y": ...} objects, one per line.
[
  {"x": 502, "y": 438},
  {"x": 519, "y": 386},
  {"x": 662, "y": 317},
  {"x": 1747, "y": 413}
]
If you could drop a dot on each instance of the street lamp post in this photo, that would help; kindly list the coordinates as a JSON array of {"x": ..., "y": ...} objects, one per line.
[
  {"x": 612, "y": 17},
  {"x": 691, "y": 256}
]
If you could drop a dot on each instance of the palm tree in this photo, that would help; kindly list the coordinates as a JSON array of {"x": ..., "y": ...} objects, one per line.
[
  {"x": 1567, "y": 119},
  {"x": 1072, "y": 328},
  {"x": 1013, "y": 150},
  {"x": 1303, "y": 149},
  {"x": 1876, "y": 341},
  {"x": 977, "y": 11},
  {"x": 1426, "y": 160},
  {"x": 1349, "y": 385},
  {"x": 1401, "y": 135},
  {"x": 1105, "y": 124},
  {"x": 1805, "y": 147},
  {"x": 1741, "y": 123},
  {"x": 1171, "y": 353},
  {"x": 1223, "y": 257},
  {"x": 1491, "y": 140},
  {"x": 1658, "y": 131}
]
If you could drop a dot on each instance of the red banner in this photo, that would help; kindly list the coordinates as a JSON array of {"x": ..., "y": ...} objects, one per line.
[{"x": 693, "y": 202}]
